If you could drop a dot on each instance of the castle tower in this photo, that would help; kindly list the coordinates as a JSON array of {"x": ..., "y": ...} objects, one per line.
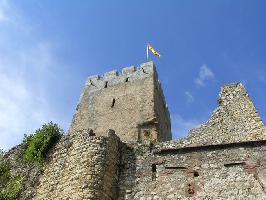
[{"x": 131, "y": 103}]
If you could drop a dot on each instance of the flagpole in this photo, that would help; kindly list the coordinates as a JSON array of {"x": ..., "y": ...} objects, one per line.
[{"x": 147, "y": 52}]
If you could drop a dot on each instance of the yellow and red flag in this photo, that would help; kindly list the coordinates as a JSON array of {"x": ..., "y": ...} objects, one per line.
[{"x": 150, "y": 48}]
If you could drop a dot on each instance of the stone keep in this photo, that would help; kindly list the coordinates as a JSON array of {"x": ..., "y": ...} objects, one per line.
[{"x": 131, "y": 103}]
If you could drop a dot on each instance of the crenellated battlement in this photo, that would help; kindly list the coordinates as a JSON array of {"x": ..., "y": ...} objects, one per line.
[{"x": 127, "y": 74}]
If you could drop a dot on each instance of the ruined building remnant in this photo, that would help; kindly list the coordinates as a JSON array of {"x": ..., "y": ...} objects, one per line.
[{"x": 119, "y": 146}]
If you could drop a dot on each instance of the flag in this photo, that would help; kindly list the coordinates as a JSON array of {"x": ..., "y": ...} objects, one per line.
[{"x": 149, "y": 47}]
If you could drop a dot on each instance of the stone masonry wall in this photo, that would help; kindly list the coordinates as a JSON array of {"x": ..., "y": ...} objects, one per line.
[
  {"x": 126, "y": 102},
  {"x": 225, "y": 158},
  {"x": 81, "y": 166},
  {"x": 215, "y": 172}
]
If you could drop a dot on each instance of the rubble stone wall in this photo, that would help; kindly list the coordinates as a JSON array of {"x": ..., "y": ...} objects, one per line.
[
  {"x": 236, "y": 171},
  {"x": 81, "y": 167}
]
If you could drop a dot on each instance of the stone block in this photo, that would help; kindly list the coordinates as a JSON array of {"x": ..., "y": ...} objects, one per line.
[
  {"x": 128, "y": 70},
  {"x": 110, "y": 75}
]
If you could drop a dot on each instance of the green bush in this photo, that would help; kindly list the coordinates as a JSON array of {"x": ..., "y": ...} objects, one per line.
[
  {"x": 10, "y": 186},
  {"x": 4, "y": 174},
  {"x": 40, "y": 142},
  {"x": 12, "y": 189}
]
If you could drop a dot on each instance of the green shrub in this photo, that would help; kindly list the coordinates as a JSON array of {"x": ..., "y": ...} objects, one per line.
[
  {"x": 10, "y": 186},
  {"x": 40, "y": 142},
  {"x": 12, "y": 189}
]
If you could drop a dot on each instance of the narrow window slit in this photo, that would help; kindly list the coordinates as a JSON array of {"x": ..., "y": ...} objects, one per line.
[
  {"x": 153, "y": 167},
  {"x": 126, "y": 79},
  {"x": 106, "y": 84},
  {"x": 234, "y": 164},
  {"x": 113, "y": 103}
]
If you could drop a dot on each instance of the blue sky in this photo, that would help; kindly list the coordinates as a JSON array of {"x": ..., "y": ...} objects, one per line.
[{"x": 48, "y": 48}]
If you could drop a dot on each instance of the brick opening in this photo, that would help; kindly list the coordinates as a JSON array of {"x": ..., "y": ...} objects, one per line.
[
  {"x": 195, "y": 173},
  {"x": 126, "y": 79}
]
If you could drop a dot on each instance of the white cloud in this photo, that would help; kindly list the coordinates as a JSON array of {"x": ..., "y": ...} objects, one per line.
[
  {"x": 21, "y": 109},
  {"x": 181, "y": 126},
  {"x": 189, "y": 97},
  {"x": 26, "y": 75},
  {"x": 4, "y": 9},
  {"x": 204, "y": 75},
  {"x": 24, "y": 102}
]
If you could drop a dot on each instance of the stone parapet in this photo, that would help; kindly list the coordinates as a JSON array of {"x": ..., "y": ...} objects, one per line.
[{"x": 114, "y": 77}]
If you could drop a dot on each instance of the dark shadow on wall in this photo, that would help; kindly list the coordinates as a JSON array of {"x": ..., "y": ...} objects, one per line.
[{"x": 127, "y": 171}]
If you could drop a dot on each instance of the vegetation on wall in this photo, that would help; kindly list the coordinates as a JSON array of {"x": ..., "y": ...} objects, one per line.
[
  {"x": 10, "y": 186},
  {"x": 1, "y": 153},
  {"x": 148, "y": 136},
  {"x": 40, "y": 142},
  {"x": 4, "y": 173}
]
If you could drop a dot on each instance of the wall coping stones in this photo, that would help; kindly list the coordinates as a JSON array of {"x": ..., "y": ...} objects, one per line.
[
  {"x": 128, "y": 70},
  {"x": 114, "y": 77}
]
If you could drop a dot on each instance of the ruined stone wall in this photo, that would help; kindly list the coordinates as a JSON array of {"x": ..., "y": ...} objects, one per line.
[
  {"x": 81, "y": 166},
  {"x": 236, "y": 171},
  {"x": 129, "y": 103},
  {"x": 236, "y": 119}
]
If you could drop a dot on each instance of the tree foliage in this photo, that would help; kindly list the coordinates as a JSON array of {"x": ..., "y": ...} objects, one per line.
[
  {"x": 10, "y": 186},
  {"x": 40, "y": 142}
]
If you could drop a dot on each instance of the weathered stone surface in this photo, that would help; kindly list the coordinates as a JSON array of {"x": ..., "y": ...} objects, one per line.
[
  {"x": 204, "y": 172},
  {"x": 81, "y": 167},
  {"x": 235, "y": 120}
]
